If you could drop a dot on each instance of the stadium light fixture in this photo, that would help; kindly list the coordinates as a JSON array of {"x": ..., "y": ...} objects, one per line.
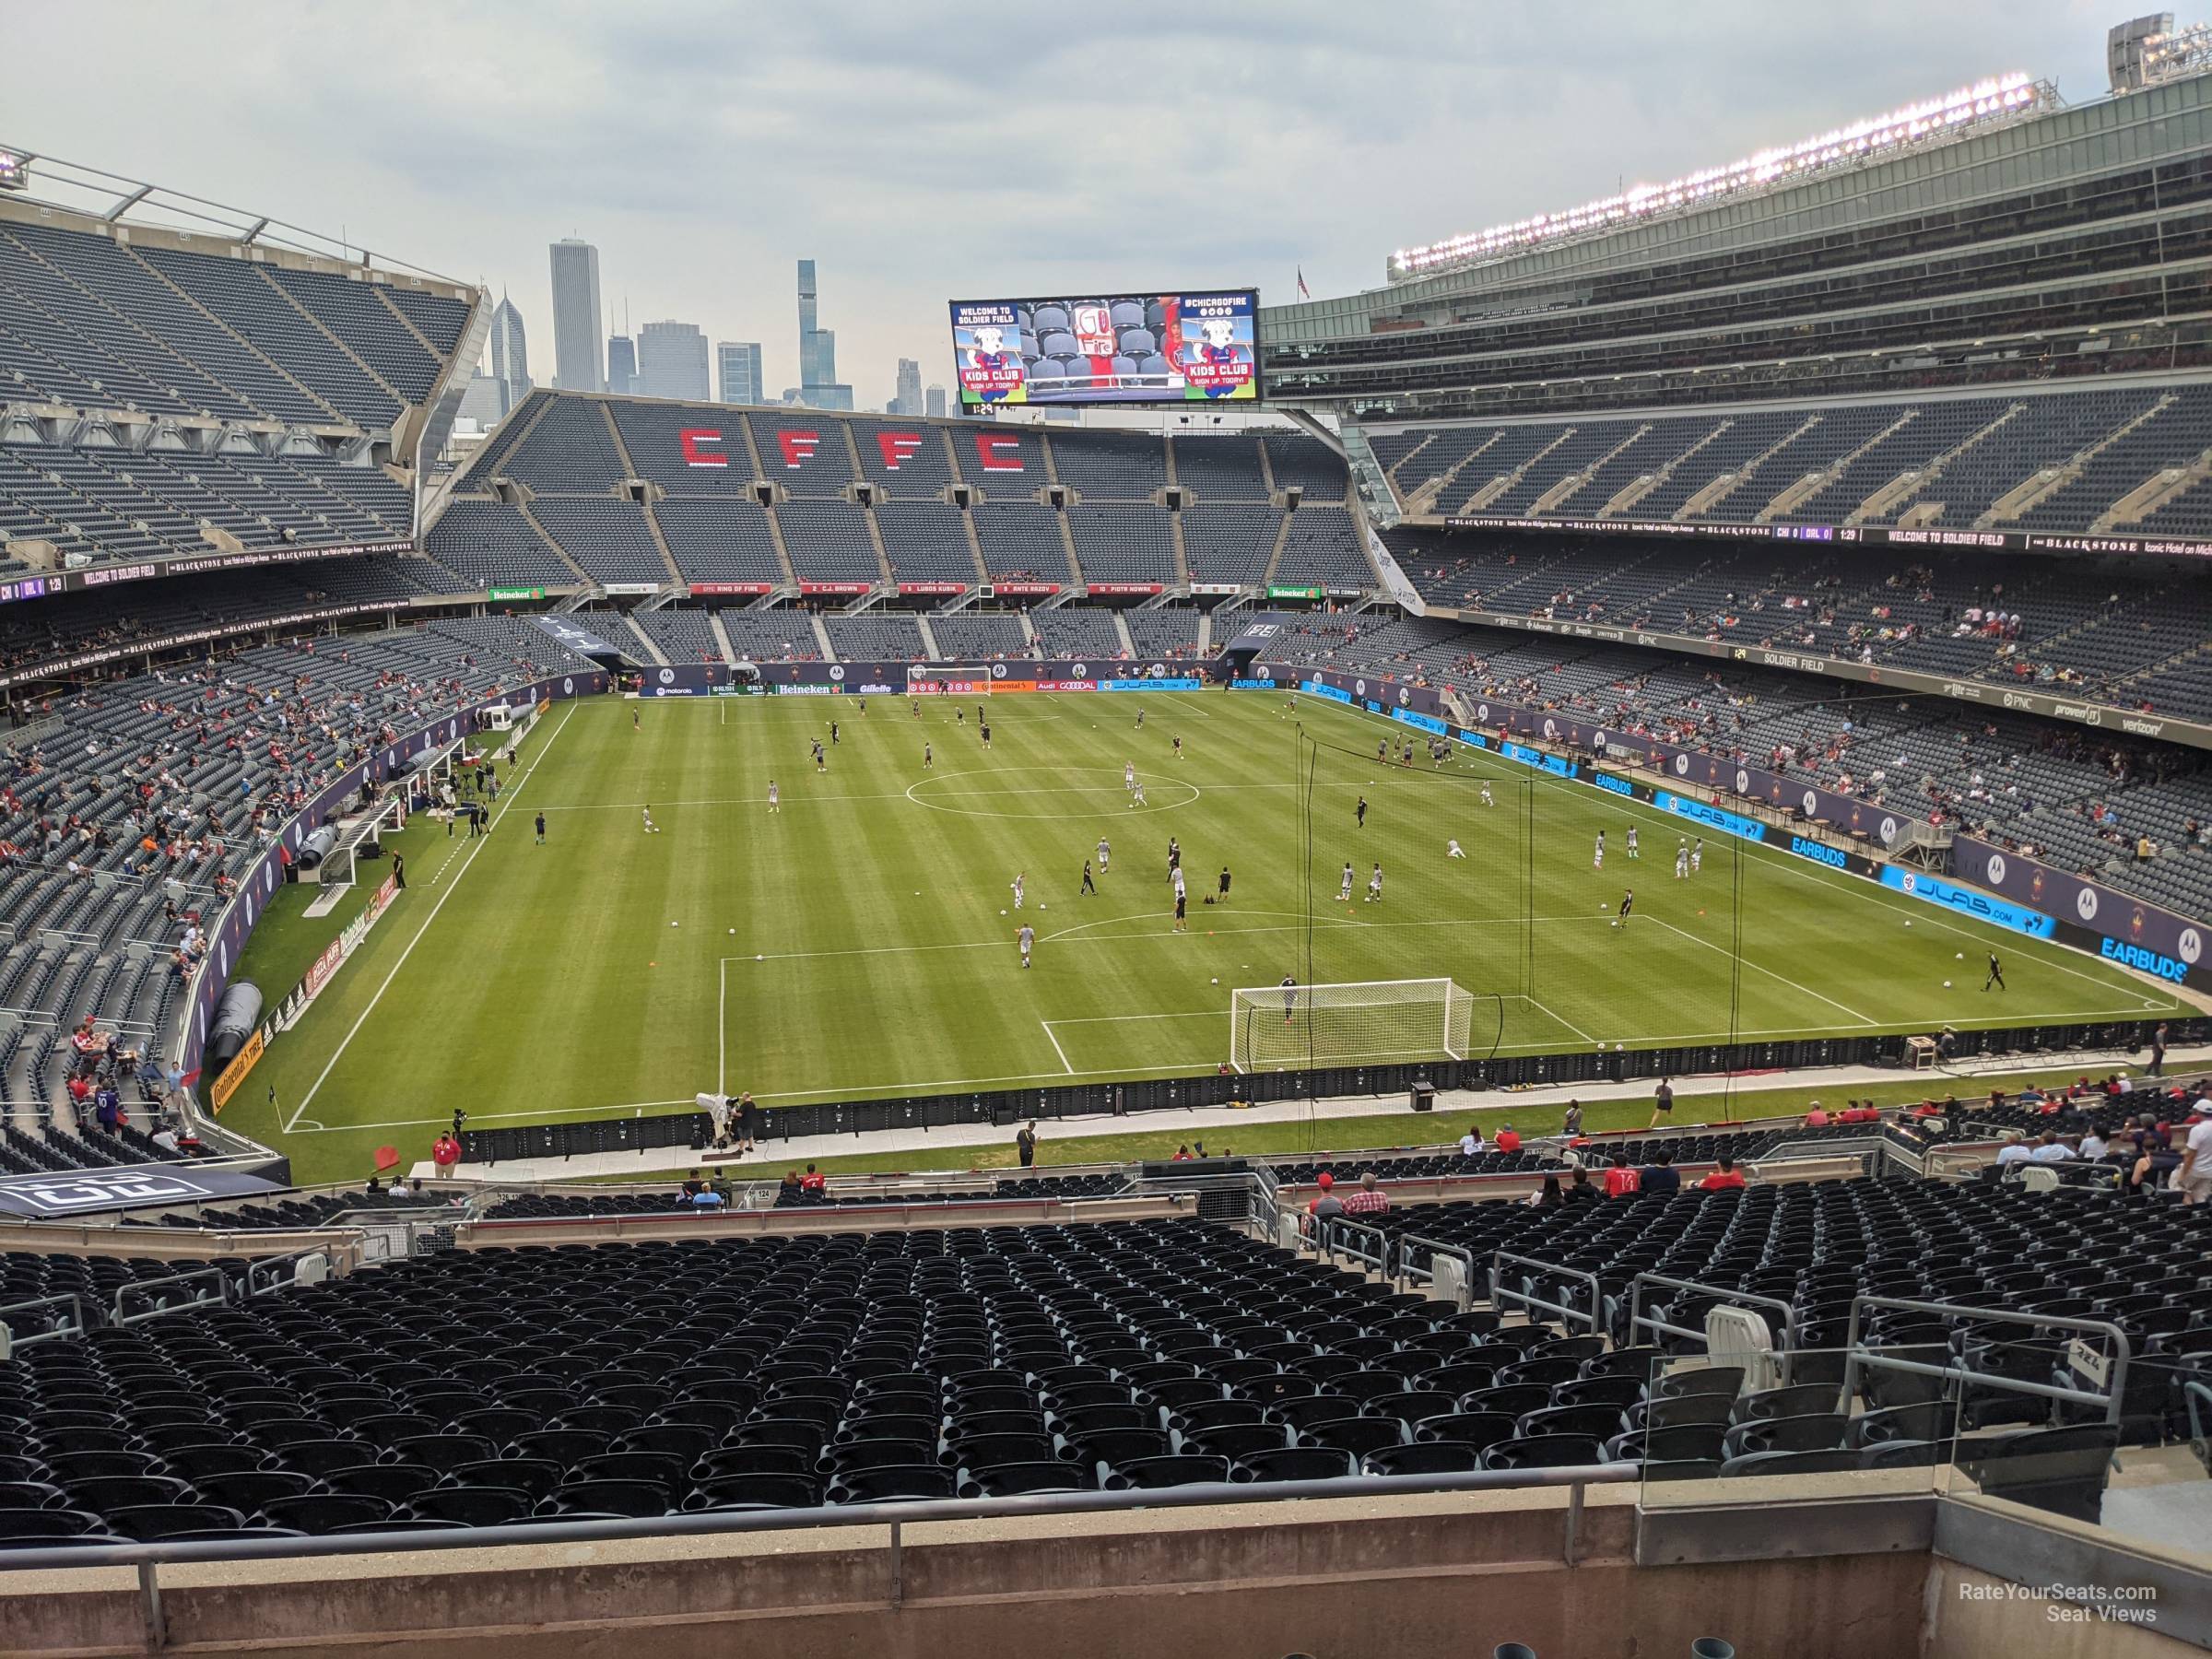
[
  {"x": 14, "y": 171},
  {"x": 2000, "y": 98}
]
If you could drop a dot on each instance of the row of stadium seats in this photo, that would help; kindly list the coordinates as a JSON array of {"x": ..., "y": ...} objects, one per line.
[
  {"x": 792, "y": 1370},
  {"x": 1949, "y": 462},
  {"x": 560, "y": 541}
]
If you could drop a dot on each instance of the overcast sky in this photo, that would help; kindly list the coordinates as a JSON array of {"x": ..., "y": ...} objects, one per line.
[{"x": 925, "y": 152}]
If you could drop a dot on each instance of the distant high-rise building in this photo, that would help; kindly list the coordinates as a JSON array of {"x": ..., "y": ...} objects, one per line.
[
  {"x": 621, "y": 365},
  {"x": 672, "y": 362},
  {"x": 576, "y": 314},
  {"x": 509, "y": 355},
  {"x": 481, "y": 402},
  {"x": 907, "y": 401},
  {"x": 819, "y": 384},
  {"x": 933, "y": 403},
  {"x": 742, "y": 378}
]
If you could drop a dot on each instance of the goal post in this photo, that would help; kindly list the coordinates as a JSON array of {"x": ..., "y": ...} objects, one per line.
[
  {"x": 1272, "y": 1028},
  {"x": 934, "y": 679}
]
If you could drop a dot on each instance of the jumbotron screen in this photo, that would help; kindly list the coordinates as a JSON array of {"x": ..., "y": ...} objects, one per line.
[{"x": 1138, "y": 348}]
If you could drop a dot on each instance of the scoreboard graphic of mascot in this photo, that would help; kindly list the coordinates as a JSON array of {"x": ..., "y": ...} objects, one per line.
[{"x": 1184, "y": 348}]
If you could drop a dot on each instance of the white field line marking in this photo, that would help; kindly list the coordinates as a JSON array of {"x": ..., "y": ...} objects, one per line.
[
  {"x": 904, "y": 1086},
  {"x": 1770, "y": 972},
  {"x": 1568, "y": 1023},
  {"x": 507, "y": 801},
  {"x": 1775, "y": 858},
  {"x": 722, "y": 1024},
  {"x": 1056, "y": 1048}
]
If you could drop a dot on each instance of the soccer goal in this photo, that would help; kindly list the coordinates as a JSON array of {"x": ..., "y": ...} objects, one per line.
[
  {"x": 1272, "y": 1027},
  {"x": 934, "y": 679}
]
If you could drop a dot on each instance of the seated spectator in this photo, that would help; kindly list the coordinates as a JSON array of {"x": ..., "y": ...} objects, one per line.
[
  {"x": 1725, "y": 1175},
  {"x": 1470, "y": 1144},
  {"x": 1367, "y": 1199},
  {"x": 1548, "y": 1196},
  {"x": 2093, "y": 1144},
  {"x": 814, "y": 1181},
  {"x": 1326, "y": 1205},
  {"x": 693, "y": 1185},
  {"x": 1579, "y": 1190},
  {"x": 1817, "y": 1118},
  {"x": 1660, "y": 1175},
  {"x": 1508, "y": 1139},
  {"x": 1620, "y": 1181},
  {"x": 2049, "y": 1149},
  {"x": 2015, "y": 1150},
  {"x": 707, "y": 1198}
]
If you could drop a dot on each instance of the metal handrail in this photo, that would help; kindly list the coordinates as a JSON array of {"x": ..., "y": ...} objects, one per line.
[
  {"x": 1854, "y": 1356},
  {"x": 1435, "y": 1247},
  {"x": 262, "y": 1277},
  {"x": 1338, "y": 1239},
  {"x": 1594, "y": 1319},
  {"x": 76, "y": 1304},
  {"x": 139, "y": 1287},
  {"x": 720, "y": 1522},
  {"x": 1791, "y": 1338}
]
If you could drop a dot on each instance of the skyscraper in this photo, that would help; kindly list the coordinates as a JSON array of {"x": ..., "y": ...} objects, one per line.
[
  {"x": 909, "y": 400},
  {"x": 576, "y": 313},
  {"x": 509, "y": 355},
  {"x": 819, "y": 386},
  {"x": 742, "y": 381},
  {"x": 621, "y": 365},
  {"x": 671, "y": 361},
  {"x": 935, "y": 406}
]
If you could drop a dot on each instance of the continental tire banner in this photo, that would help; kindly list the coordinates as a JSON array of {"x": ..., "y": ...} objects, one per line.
[{"x": 234, "y": 1074}]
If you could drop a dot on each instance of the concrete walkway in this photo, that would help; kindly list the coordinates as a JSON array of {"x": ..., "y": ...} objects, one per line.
[{"x": 1220, "y": 1123}]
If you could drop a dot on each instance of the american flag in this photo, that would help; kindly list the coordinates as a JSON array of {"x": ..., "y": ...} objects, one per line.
[{"x": 1303, "y": 293}]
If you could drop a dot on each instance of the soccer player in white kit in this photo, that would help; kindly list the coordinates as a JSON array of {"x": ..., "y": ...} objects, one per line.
[
  {"x": 1374, "y": 886},
  {"x": 651, "y": 827},
  {"x": 1105, "y": 853},
  {"x": 1138, "y": 799},
  {"x": 1697, "y": 856},
  {"x": 1632, "y": 851},
  {"x": 1345, "y": 892},
  {"x": 1018, "y": 895},
  {"x": 1129, "y": 775},
  {"x": 775, "y": 796},
  {"x": 1682, "y": 862},
  {"x": 1597, "y": 859},
  {"x": 1486, "y": 794},
  {"x": 1451, "y": 850},
  {"x": 1027, "y": 938}
]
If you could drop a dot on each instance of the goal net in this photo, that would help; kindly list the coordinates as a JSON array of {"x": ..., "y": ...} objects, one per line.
[
  {"x": 1274, "y": 1027},
  {"x": 934, "y": 679}
]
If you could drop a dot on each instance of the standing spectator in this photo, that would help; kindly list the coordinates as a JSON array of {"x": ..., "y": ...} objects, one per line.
[
  {"x": 1663, "y": 1103},
  {"x": 1024, "y": 1145},
  {"x": 1368, "y": 1199},
  {"x": 2195, "y": 1178},
  {"x": 399, "y": 874},
  {"x": 1572, "y": 1125},
  {"x": 748, "y": 1121},
  {"x": 2158, "y": 1050},
  {"x": 445, "y": 1152}
]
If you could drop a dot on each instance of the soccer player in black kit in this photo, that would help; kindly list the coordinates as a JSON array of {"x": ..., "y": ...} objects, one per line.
[{"x": 1996, "y": 973}]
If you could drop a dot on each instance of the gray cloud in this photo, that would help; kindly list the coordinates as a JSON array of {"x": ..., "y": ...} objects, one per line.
[{"x": 920, "y": 153}]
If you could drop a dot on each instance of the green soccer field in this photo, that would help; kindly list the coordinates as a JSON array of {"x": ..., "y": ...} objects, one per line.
[{"x": 859, "y": 941}]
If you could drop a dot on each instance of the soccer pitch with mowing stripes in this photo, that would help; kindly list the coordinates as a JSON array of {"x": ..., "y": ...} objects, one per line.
[{"x": 852, "y": 943}]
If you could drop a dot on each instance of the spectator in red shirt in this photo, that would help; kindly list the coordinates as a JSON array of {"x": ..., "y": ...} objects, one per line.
[
  {"x": 1507, "y": 1140},
  {"x": 1725, "y": 1175},
  {"x": 1817, "y": 1117},
  {"x": 445, "y": 1152},
  {"x": 1368, "y": 1199},
  {"x": 814, "y": 1180},
  {"x": 1621, "y": 1182}
]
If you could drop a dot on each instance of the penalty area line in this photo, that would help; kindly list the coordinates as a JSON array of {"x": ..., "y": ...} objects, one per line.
[{"x": 1056, "y": 1048}]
